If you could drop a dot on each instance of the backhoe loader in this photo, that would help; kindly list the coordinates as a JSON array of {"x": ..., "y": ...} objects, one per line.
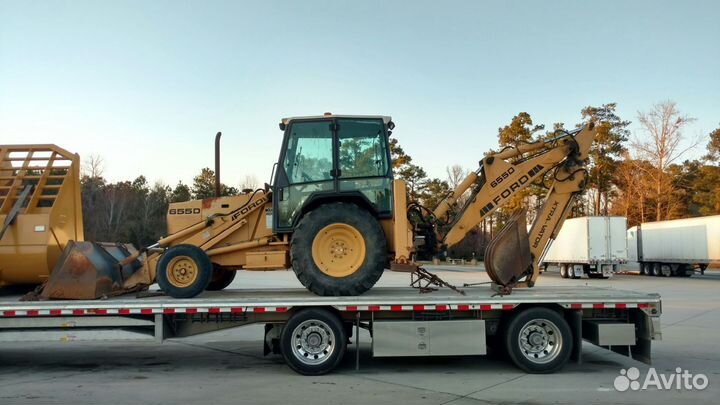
[{"x": 334, "y": 213}]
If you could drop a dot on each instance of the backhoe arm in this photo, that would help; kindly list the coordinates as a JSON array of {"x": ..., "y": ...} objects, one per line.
[{"x": 514, "y": 254}]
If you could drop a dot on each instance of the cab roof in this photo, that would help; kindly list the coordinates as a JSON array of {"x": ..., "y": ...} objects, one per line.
[{"x": 386, "y": 119}]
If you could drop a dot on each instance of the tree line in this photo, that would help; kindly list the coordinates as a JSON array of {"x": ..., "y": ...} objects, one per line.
[{"x": 645, "y": 176}]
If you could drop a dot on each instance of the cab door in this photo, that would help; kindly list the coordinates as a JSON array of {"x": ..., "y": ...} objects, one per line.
[{"x": 307, "y": 167}]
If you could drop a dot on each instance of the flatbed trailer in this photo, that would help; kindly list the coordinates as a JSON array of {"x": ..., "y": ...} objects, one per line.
[{"x": 539, "y": 328}]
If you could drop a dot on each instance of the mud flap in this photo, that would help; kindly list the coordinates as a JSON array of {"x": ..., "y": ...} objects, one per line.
[
  {"x": 88, "y": 270},
  {"x": 507, "y": 257}
]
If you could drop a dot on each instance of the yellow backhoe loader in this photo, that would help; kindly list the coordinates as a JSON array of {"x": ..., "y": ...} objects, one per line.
[{"x": 334, "y": 213}]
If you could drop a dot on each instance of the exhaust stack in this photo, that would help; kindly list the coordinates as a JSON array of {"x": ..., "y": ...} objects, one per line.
[{"x": 217, "y": 164}]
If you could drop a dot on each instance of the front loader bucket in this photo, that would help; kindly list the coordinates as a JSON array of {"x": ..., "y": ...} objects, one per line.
[
  {"x": 507, "y": 257},
  {"x": 88, "y": 270}
]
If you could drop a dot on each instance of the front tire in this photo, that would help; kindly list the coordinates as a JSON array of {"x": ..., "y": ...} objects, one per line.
[
  {"x": 313, "y": 341},
  {"x": 184, "y": 271},
  {"x": 338, "y": 249},
  {"x": 538, "y": 340}
]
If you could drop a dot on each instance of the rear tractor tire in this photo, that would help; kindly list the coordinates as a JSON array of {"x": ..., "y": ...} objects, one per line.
[
  {"x": 184, "y": 271},
  {"x": 221, "y": 279},
  {"x": 338, "y": 249}
]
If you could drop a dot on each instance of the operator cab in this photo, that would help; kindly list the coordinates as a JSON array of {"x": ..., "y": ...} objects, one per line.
[{"x": 332, "y": 158}]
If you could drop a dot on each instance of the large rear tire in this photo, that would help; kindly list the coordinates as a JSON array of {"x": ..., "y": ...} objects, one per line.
[
  {"x": 538, "y": 340},
  {"x": 313, "y": 341},
  {"x": 184, "y": 271},
  {"x": 338, "y": 249}
]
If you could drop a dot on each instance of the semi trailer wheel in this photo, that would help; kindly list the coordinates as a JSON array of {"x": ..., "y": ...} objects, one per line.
[
  {"x": 313, "y": 341},
  {"x": 656, "y": 271},
  {"x": 338, "y": 249},
  {"x": 220, "y": 279},
  {"x": 184, "y": 271},
  {"x": 644, "y": 269},
  {"x": 538, "y": 340},
  {"x": 564, "y": 271}
]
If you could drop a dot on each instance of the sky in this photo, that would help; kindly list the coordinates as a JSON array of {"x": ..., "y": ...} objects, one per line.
[{"x": 146, "y": 85}]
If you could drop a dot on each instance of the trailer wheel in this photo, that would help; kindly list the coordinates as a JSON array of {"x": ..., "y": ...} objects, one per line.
[
  {"x": 656, "y": 270},
  {"x": 184, "y": 271},
  {"x": 563, "y": 271},
  {"x": 645, "y": 269},
  {"x": 338, "y": 249},
  {"x": 538, "y": 340},
  {"x": 221, "y": 279},
  {"x": 313, "y": 341}
]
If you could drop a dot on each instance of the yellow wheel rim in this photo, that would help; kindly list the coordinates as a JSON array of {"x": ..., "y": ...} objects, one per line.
[
  {"x": 338, "y": 250},
  {"x": 182, "y": 271}
]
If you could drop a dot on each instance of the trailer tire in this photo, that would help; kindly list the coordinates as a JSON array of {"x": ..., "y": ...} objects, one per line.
[
  {"x": 644, "y": 269},
  {"x": 538, "y": 340},
  {"x": 221, "y": 279},
  {"x": 313, "y": 341},
  {"x": 656, "y": 270},
  {"x": 184, "y": 271},
  {"x": 564, "y": 271},
  {"x": 358, "y": 252}
]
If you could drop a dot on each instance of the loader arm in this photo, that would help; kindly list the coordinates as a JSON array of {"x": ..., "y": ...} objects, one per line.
[{"x": 512, "y": 258}]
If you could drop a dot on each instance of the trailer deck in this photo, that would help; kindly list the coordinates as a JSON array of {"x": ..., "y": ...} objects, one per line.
[
  {"x": 402, "y": 321},
  {"x": 378, "y": 299}
]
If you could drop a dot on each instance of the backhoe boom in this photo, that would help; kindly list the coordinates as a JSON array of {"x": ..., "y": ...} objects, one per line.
[{"x": 515, "y": 254}]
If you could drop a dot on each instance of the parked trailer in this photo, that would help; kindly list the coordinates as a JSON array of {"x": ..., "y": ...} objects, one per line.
[
  {"x": 589, "y": 245},
  {"x": 675, "y": 248},
  {"x": 540, "y": 328}
]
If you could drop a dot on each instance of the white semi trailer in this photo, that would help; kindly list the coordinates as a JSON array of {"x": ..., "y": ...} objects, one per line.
[
  {"x": 589, "y": 245},
  {"x": 675, "y": 248}
]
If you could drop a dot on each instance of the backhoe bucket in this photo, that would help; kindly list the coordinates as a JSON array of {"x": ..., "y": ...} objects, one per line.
[
  {"x": 507, "y": 257},
  {"x": 88, "y": 270}
]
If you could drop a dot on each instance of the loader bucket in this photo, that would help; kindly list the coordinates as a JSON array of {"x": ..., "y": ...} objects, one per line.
[
  {"x": 507, "y": 257},
  {"x": 89, "y": 270}
]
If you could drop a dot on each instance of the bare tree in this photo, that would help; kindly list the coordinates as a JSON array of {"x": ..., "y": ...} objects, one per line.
[
  {"x": 93, "y": 166},
  {"x": 249, "y": 182},
  {"x": 455, "y": 175},
  {"x": 663, "y": 125}
]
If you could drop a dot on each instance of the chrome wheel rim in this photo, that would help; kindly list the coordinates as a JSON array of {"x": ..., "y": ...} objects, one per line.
[
  {"x": 540, "y": 341},
  {"x": 313, "y": 342}
]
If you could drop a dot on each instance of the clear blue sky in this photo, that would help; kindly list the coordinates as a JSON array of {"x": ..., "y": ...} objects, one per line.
[{"x": 147, "y": 84}]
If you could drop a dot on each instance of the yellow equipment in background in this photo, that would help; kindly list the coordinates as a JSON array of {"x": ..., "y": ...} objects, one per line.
[{"x": 40, "y": 210}]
